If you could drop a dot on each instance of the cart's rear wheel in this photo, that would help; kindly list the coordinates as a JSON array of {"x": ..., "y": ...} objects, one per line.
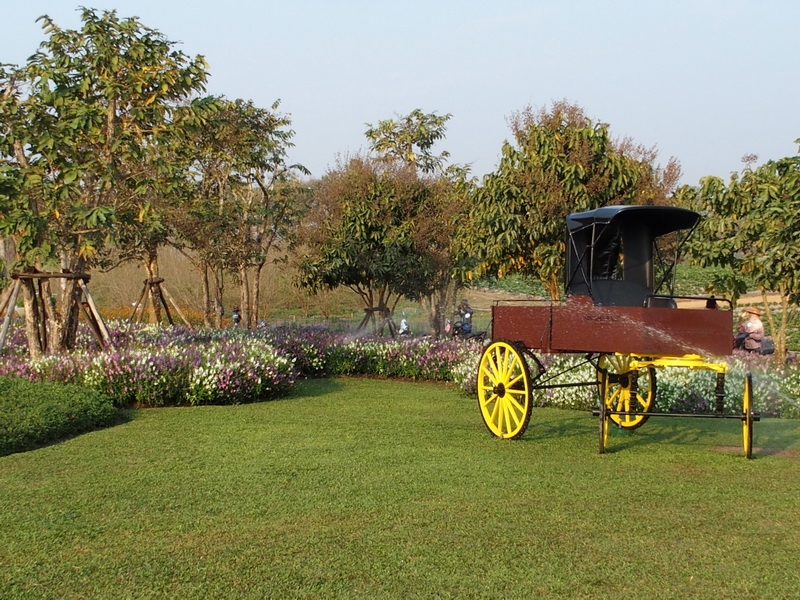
[
  {"x": 747, "y": 416},
  {"x": 617, "y": 383},
  {"x": 504, "y": 390}
]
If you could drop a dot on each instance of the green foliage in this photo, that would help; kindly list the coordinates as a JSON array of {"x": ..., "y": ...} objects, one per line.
[
  {"x": 246, "y": 202},
  {"x": 363, "y": 233},
  {"x": 34, "y": 414},
  {"x": 89, "y": 127},
  {"x": 692, "y": 280},
  {"x": 514, "y": 283},
  {"x": 92, "y": 132},
  {"x": 410, "y": 139},
  {"x": 752, "y": 227},
  {"x": 561, "y": 162}
]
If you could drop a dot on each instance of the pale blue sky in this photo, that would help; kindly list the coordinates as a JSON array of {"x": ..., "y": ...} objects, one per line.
[{"x": 706, "y": 81}]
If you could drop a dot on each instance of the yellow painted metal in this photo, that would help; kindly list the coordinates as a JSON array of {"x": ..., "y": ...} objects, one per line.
[
  {"x": 747, "y": 416},
  {"x": 687, "y": 361},
  {"x": 616, "y": 388},
  {"x": 604, "y": 423},
  {"x": 504, "y": 390}
]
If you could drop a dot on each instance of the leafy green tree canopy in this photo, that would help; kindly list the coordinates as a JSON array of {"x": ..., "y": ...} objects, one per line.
[
  {"x": 248, "y": 200},
  {"x": 752, "y": 226},
  {"x": 410, "y": 139},
  {"x": 87, "y": 126},
  {"x": 90, "y": 129},
  {"x": 559, "y": 162},
  {"x": 360, "y": 233}
]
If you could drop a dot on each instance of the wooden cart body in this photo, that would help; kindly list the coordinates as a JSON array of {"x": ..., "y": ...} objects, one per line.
[{"x": 578, "y": 325}]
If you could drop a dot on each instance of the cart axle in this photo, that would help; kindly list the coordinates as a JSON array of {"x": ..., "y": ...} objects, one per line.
[{"x": 741, "y": 417}]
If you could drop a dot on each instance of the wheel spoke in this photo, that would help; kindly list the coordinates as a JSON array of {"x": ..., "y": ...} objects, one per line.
[
  {"x": 512, "y": 400},
  {"x": 516, "y": 380},
  {"x": 486, "y": 401},
  {"x": 495, "y": 412}
]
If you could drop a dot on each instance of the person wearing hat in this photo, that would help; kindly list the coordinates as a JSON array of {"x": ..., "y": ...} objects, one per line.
[{"x": 751, "y": 330}]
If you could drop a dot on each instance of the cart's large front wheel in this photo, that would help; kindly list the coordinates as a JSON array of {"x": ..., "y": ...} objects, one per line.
[
  {"x": 504, "y": 390},
  {"x": 627, "y": 390}
]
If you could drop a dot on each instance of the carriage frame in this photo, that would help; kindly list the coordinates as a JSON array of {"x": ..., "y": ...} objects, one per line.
[{"x": 619, "y": 311}]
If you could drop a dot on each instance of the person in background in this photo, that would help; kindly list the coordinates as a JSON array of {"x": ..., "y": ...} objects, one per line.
[
  {"x": 751, "y": 330},
  {"x": 465, "y": 315}
]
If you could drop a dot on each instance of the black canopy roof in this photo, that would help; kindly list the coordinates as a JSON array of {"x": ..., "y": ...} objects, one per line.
[{"x": 658, "y": 219}]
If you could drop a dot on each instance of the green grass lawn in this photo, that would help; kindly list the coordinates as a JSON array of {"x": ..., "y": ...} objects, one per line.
[{"x": 356, "y": 488}]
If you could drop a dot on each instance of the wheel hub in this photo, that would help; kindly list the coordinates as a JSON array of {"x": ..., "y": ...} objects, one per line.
[
  {"x": 500, "y": 390},
  {"x": 620, "y": 379}
]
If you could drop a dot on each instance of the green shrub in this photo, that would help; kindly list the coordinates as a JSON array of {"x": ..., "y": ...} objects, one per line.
[
  {"x": 514, "y": 283},
  {"x": 33, "y": 414}
]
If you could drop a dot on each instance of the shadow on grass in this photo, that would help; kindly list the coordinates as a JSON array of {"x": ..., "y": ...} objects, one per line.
[
  {"x": 26, "y": 441},
  {"x": 777, "y": 437},
  {"x": 771, "y": 437},
  {"x": 573, "y": 425},
  {"x": 313, "y": 388}
]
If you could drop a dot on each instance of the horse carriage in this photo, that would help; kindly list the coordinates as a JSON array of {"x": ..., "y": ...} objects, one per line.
[{"x": 620, "y": 313}]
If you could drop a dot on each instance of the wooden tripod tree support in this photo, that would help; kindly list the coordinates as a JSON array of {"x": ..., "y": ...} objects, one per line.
[
  {"x": 80, "y": 299},
  {"x": 158, "y": 292},
  {"x": 385, "y": 319}
]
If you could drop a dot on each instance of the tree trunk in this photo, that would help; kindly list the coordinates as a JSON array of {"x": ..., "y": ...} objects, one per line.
[
  {"x": 779, "y": 331},
  {"x": 63, "y": 314},
  {"x": 8, "y": 255},
  {"x": 244, "y": 298},
  {"x": 206, "y": 294},
  {"x": 436, "y": 306},
  {"x": 553, "y": 287},
  {"x": 71, "y": 315},
  {"x": 219, "y": 308},
  {"x": 257, "y": 292},
  {"x": 32, "y": 320}
]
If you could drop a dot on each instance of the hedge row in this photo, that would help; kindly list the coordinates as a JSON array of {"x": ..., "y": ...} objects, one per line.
[{"x": 35, "y": 414}]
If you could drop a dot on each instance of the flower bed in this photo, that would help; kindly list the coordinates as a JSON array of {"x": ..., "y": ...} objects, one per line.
[{"x": 159, "y": 366}]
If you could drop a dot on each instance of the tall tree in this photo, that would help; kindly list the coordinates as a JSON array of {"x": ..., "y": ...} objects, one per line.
[
  {"x": 560, "y": 162},
  {"x": 752, "y": 226},
  {"x": 248, "y": 201},
  {"x": 84, "y": 125},
  {"x": 409, "y": 141},
  {"x": 360, "y": 233}
]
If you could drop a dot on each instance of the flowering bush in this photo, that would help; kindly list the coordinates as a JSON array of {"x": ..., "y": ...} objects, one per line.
[{"x": 159, "y": 366}]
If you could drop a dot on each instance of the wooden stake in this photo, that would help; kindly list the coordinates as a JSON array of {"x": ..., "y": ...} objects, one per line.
[
  {"x": 175, "y": 305},
  {"x": 95, "y": 313},
  {"x": 11, "y": 308}
]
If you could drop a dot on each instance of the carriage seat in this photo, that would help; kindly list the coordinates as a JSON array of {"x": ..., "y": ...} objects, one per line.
[
  {"x": 616, "y": 292},
  {"x": 660, "y": 302}
]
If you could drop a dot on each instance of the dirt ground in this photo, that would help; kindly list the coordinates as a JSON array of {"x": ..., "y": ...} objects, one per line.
[
  {"x": 481, "y": 300},
  {"x": 748, "y": 299}
]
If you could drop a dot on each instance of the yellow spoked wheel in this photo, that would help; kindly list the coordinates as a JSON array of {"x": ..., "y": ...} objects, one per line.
[
  {"x": 747, "y": 416},
  {"x": 618, "y": 380},
  {"x": 504, "y": 390}
]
